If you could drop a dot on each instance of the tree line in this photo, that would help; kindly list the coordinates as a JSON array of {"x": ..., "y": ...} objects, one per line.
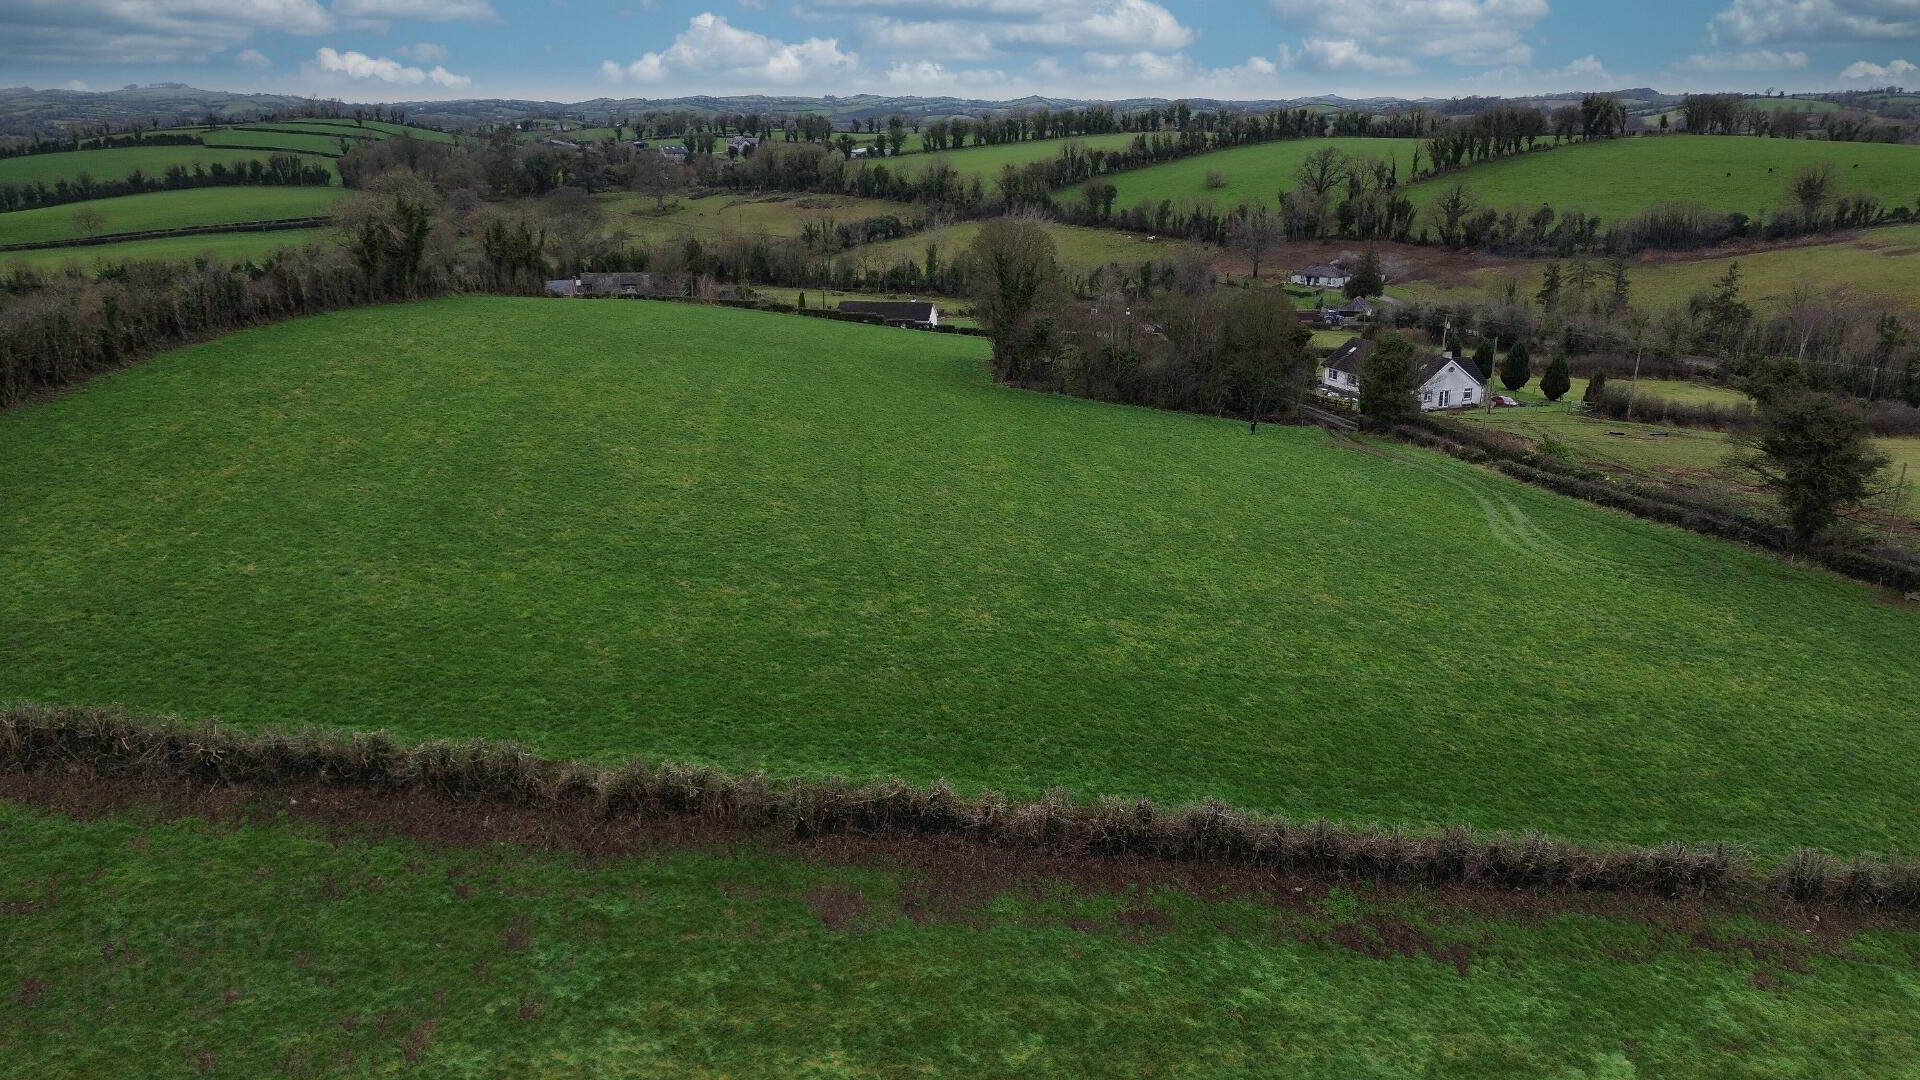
[{"x": 275, "y": 170}]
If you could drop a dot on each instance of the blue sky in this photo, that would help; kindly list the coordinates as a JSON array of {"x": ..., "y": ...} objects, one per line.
[{"x": 366, "y": 50}]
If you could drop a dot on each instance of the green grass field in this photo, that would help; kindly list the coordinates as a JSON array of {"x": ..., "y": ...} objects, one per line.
[
  {"x": 1873, "y": 264},
  {"x": 755, "y": 540},
  {"x": 1618, "y": 178},
  {"x": 1682, "y": 453},
  {"x": 319, "y": 142},
  {"x": 187, "y": 948},
  {"x": 117, "y": 163},
  {"x": 1255, "y": 175},
  {"x": 986, "y": 162},
  {"x": 758, "y": 215},
  {"x": 239, "y": 245},
  {"x": 170, "y": 210},
  {"x": 372, "y": 127},
  {"x": 1080, "y": 249}
]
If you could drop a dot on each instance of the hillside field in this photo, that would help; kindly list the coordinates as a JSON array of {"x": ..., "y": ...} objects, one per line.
[
  {"x": 714, "y": 216},
  {"x": 1255, "y": 175},
  {"x": 986, "y": 162},
  {"x": 1079, "y": 249},
  {"x": 237, "y": 245},
  {"x": 1617, "y": 178},
  {"x": 760, "y": 541},
  {"x": 117, "y": 163},
  {"x": 1872, "y": 264},
  {"x": 215, "y": 947},
  {"x": 169, "y": 210}
]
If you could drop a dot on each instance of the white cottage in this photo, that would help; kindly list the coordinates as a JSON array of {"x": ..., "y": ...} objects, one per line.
[
  {"x": 1320, "y": 277},
  {"x": 1443, "y": 380}
]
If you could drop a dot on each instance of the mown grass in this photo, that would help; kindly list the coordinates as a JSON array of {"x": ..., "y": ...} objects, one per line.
[
  {"x": 1079, "y": 249},
  {"x": 755, "y": 540},
  {"x": 238, "y": 245},
  {"x": 183, "y": 948},
  {"x": 1255, "y": 175},
  {"x": 1618, "y": 178},
  {"x": 117, "y": 163},
  {"x": 169, "y": 210}
]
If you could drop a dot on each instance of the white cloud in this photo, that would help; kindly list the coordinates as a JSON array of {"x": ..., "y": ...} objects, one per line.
[
  {"x": 253, "y": 60},
  {"x": 973, "y": 28},
  {"x": 145, "y": 31},
  {"x": 425, "y": 52},
  {"x": 1346, "y": 54},
  {"x": 427, "y": 10},
  {"x": 75, "y": 84},
  {"x": 1370, "y": 35},
  {"x": 712, "y": 49},
  {"x": 927, "y": 76},
  {"x": 1861, "y": 70},
  {"x": 358, "y": 65},
  {"x": 1814, "y": 22},
  {"x": 1586, "y": 73},
  {"x": 1751, "y": 60}
]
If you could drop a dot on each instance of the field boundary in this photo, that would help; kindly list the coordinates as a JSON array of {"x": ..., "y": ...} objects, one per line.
[
  {"x": 267, "y": 225},
  {"x": 90, "y": 745}
]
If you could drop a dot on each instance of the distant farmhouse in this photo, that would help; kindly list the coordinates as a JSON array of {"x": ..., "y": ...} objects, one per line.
[
  {"x": 602, "y": 285},
  {"x": 1323, "y": 276},
  {"x": 911, "y": 313},
  {"x": 675, "y": 153},
  {"x": 1444, "y": 381},
  {"x": 742, "y": 143}
]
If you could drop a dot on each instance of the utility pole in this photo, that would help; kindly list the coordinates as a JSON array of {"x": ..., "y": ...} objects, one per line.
[{"x": 1633, "y": 390}]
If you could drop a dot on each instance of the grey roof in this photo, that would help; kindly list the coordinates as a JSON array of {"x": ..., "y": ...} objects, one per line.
[
  {"x": 1322, "y": 270},
  {"x": 897, "y": 310},
  {"x": 1352, "y": 356}
]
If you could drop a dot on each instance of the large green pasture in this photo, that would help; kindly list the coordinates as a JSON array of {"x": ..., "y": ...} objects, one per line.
[
  {"x": 1079, "y": 249},
  {"x": 317, "y": 142},
  {"x": 1871, "y": 264},
  {"x": 714, "y": 216},
  {"x": 1617, "y": 178},
  {"x": 1254, "y": 175},
  {"x": 231, "y": 246},
  {"x": 626, "y": 528},
  {"x": 169, "y": 210},
  {"x": 183, "y": 949},
  {"x": 987, "y": 162},
  {"x": 117, "y": 163}
]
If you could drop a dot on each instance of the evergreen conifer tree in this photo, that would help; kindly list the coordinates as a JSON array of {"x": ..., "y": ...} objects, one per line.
[
  {"x": 1557, "y": 380},
  {"x": 1517, "y": 368},
  {"x": 1386, "y": 383},
  {"x": 1596, "y": 387}
]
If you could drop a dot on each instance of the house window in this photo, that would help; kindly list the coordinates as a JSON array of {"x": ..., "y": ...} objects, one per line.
[
  {"x": 1444, "y": 395},
  {"x": 1466, "y": 396},
  {"x": 1426, "y": 395}
]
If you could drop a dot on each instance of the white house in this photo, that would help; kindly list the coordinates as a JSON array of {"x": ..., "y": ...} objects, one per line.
[
  {"x": 1444, "y": 381},
  {"x": 1323, "y": 276}
]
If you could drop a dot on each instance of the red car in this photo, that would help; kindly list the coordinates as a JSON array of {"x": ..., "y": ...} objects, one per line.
[{"x": 1502, "y": 401}]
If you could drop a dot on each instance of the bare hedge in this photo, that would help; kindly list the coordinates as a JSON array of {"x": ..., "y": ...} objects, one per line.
[{"x": 94, "y": 745}]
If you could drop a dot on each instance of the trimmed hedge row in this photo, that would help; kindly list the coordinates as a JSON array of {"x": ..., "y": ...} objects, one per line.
[
  {"x": 94, "y": 745},
  {"x": 272, "y": 225}
]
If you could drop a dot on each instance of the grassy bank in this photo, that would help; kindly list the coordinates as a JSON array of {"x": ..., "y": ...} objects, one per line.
[{"x": 310, "y": 948}]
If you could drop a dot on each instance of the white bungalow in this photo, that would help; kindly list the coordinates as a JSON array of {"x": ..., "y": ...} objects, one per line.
[
  {"x": 1443, "y": 380},
  {"x": 1324, "y": 276}
]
